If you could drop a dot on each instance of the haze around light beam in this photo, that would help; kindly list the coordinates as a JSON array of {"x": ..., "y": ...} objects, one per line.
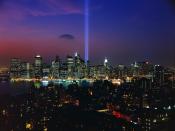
[{"x": 86, "y": 37}]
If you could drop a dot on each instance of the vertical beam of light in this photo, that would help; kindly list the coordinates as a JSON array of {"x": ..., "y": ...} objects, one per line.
[{"x": 86, "y": 37}]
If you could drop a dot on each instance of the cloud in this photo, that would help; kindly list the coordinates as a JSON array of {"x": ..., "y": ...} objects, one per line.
[
  {"x": 16, "y": 9},
  {"x": 67, "y": 37},
  {"x": 20, "y": 9}
]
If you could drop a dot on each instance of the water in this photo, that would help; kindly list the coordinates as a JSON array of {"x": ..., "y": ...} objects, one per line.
[{"x": 14, "y": 88}]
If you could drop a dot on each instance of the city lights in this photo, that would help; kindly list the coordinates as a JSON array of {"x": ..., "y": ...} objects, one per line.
[{"x": 87, "y": 65}]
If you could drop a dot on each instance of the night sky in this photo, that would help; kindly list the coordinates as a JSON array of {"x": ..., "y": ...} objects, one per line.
[{"x": 121, "y": 30}]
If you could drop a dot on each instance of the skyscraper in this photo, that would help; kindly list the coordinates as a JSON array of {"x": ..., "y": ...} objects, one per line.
[
  {"x": 38, "y": 66},
  {"x": 46, "y": 73},
  {"x": 25, "y": 70},
  {"x": 80, "y": 67},
  {"x": 106, "y": 67},
  {"x": 70, "y": 66},
  {"x": 56, "y": 67},
  {"x": 15, "y": 68}
]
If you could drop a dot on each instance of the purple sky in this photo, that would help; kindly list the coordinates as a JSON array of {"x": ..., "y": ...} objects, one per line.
[{"x": 122, "y": 30}]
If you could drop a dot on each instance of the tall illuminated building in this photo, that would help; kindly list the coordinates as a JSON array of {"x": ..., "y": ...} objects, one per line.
[
  {"x": 77, "y": 61},
  {"x": 80, "y": 67},
  {"x": 25, "y": 70},
  {"x": 70, "y": 66},
  {"x": 15, "y": 68},
  {"x": 46, "y": 70},
  {"x": 56, "y": 67},
  {"x": 106, "y": 66},
  {"x": 63, "y": 71},
  {"x": 38, "y": 66},
  {"x": 134, "y": 69},
  {"x": 105, "y": 62}
]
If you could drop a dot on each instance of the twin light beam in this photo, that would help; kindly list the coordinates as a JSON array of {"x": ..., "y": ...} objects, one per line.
[{"x": 86, "y": 25}]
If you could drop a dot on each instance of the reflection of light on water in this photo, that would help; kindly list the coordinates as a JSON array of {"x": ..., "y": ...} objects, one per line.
[{"x": 45, "y": 83}]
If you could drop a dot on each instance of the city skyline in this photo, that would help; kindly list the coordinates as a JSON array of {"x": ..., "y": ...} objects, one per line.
[
  {"x": 63, "y": 59},
  {"x": 75, "y": 67},
  {"x": 136, "y": 31},
  {"x": 87, "y": 65}
]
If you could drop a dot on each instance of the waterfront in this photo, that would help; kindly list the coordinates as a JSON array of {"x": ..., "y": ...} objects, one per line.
[
  {"x": 11, "y": 88},
  {"x": 16, "y": 87}
]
